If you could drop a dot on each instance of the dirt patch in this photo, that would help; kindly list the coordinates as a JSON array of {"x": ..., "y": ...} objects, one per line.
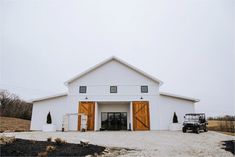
[
  {"x": 116, "y": 151},
  {"x": 229, "y": 146},
  {"x": 14, "y": 124},
  {"x": 227, "y": 133},
  {"x": 21, "y": 147}
]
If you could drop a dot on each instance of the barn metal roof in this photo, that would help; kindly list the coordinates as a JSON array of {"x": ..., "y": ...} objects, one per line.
[{"x": 179, "y": 97}]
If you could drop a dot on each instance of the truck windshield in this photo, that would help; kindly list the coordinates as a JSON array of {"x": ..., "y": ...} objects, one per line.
[{"x": 192, "y": 117}]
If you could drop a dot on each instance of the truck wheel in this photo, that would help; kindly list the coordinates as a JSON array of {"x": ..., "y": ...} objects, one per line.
[
  {"x": 184, "y": 130},
  {"x": 205, "y": 129},
  {"x": 197, "y": 130}
]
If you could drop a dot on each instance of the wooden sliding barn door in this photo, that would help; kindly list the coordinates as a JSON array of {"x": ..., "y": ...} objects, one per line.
[
  {"x": 141, "y": 115},
  {"x": 87, "y": 108}
]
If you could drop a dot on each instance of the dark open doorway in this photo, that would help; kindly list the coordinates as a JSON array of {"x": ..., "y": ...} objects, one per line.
[{"x": 114, "y": 120}]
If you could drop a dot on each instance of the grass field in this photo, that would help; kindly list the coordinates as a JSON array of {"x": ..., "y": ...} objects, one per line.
[
  {"x": 14, "y": 124},
  {"x": 221, "y": 126}
]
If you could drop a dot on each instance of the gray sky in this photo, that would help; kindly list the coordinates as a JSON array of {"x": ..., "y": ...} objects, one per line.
[{"x": 188, "y": 44}]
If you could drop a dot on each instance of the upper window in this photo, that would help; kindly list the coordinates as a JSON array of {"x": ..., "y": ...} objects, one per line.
[
  {"x": 144, "y": 89},
  {"x": 113, "y": 89},
  {"x": 82, "y": 89}
]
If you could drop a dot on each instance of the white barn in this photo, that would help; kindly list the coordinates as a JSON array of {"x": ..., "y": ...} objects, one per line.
[{"x": 115, "y": 96}]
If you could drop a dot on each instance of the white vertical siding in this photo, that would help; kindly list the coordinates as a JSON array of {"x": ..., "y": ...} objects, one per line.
[
  {"x": 167, "y": 108},
  {"x": 98, "y": 84},
  {"x": 57, "y": 107}
]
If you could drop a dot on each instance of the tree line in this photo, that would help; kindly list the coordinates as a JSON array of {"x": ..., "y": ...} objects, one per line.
[
  {"x": 223, "y": 118},
  {"x": 12, "y": 106}
]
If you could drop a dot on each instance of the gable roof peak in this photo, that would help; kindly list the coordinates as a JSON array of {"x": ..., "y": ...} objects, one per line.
[{"x": 118, "y": 60}]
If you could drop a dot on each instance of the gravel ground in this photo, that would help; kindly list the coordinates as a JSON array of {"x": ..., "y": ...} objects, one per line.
[{"x": 146, "y": 143}]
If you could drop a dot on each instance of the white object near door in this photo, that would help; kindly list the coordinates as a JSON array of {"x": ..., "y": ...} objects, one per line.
[
  {"x": 49, "y": 128},
  {"x": 175, "y": 126},
  {"x": 83, "y": 122}
]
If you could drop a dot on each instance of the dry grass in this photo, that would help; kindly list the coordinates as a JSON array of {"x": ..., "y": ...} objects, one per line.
[
  {"x": 227, "y": 133},
  {"x": 14, "y": 124},
  {"x": 6, "y": 140},
  {"x": 220, "y": 126}
]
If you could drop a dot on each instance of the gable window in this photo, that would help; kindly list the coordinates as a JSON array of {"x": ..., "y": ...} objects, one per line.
[
  {"x": 113, "y": 89},
  {"x": 82, "y": 89},
  {"x": 144, "y": 89}
]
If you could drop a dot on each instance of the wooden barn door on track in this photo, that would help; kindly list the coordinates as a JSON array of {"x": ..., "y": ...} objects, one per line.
[
  {"x": 87, "y": 108},
  {"x": 141, "y": 115}
]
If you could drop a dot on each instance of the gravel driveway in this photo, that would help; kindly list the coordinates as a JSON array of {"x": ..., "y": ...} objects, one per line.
[{"x": 147, "y": 143}]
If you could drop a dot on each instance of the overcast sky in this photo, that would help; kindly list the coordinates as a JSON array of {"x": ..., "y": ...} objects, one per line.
[{"x": 188, "y": 44}]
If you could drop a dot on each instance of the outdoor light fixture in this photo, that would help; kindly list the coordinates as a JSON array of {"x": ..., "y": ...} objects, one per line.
[
  {"x": 86, "y": 97},
  {"x": 141, "y": 97}
]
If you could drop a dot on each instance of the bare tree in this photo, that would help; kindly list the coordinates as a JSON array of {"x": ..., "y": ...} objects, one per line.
[{"x": 12, "y": 106}]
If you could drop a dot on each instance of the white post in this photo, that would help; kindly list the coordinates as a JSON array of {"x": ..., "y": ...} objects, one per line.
[
  {"x": 96, "y": 117},
  {"x": 131, "y": 116}
]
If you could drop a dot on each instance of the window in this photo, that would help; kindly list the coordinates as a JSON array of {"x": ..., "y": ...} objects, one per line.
[
  {"x": 113, "y": 89},
  {"x": 144, "y": 89},
  {"x": 82, "y": 89}
]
